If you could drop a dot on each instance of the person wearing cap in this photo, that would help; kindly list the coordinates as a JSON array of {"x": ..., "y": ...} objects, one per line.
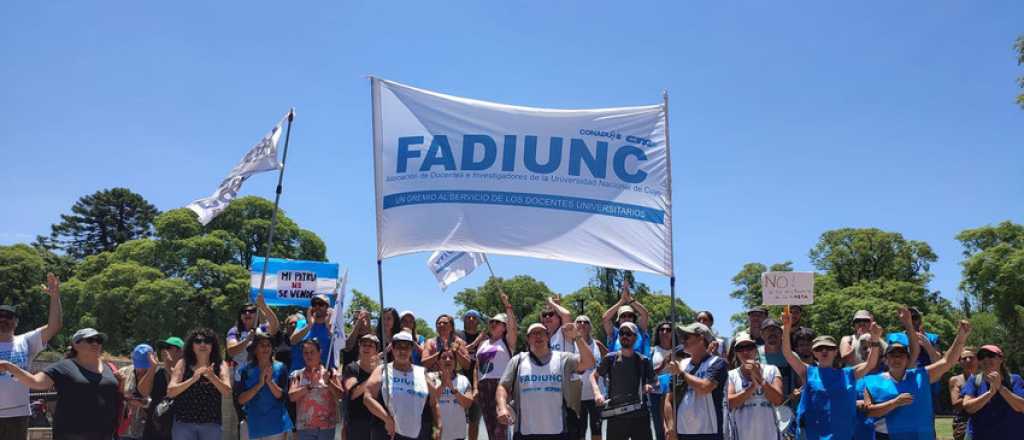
[
  {"x": 408, "y": 402},
  {"x": 539, "y": 384},
  {"x": 930, "y": 351},
  {"x": 360, "y": 326},
  {"x": 693, "y": 409},
  {"x": 968, "y": 368},
  {"x": 263, "y": 384},
  {"x": 753, "y": 390},
  {"x": 199, "y": 383},
  {"x": 143, "y": 368},
  {"x": 492, "y": 357},
  {"x": 316, "y": 326},
  {"x": 445, "y": 339},
  {"x": 471, "y": 333},
  {"x": 315, "y": 390},
  {"x": 828, "y": 403},
  {"x": 661, "y": 357},
  {"x": 590, "y": 415},
  {"x": 360, "y": 423},
  {"x": 627, "y": 309},
  {"x": 20, "y": 350},
  {"x": 88, "y": 396},
  {"x": 240, "y": 336},
  {"x": 771, "y": 353},
  {"x": 755, "y": 317},
  {"x": 903, "y": 395},
  {"x": 994, "y": 398},
  {"x": 154, "y": 387},
  {"x": 407, "y": 320},
  {"x": 849, "y": 345},
  {"x": 630, "y": 376}
]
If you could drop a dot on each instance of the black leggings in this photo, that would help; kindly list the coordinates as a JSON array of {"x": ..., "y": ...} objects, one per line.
[
  {"x": 635, "y": 427},
  {"x": 589, "y": 410}
]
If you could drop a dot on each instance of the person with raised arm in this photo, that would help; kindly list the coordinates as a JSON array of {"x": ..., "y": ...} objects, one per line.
[
  {"x": 20, "y": 350},
  {"x": 828, "y": 403},
  {"x": 495, "y": 348},
  {"x": 994, "y": 399},
  {"x": 554, "y": 317},
  {"x": 316, "y": 327},
  {"x": 903, "y": 395},
  {"x": 407, "y": 400},
  {"x": 538, "y": 384},
  {"x": 198, "y": 383},
  {"x": 627, "y": 309}
]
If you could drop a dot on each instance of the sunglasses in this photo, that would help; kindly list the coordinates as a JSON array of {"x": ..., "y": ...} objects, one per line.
[
  {"x": 821, "y": 349},
  {"x": 93, "y": 340},
  {"x": 203, "y": 341},
  {"x": 983, "y": 356},
  {"x": 547, "y": 314},
  {"x": 403, "y": 345},
  {"x": 319, "y": 304},
  {"x": 665, "y": 330},
  {"x": 627, "y": 334},
  {"x": 745, "y": 347},
  {"x": 861, "y": 321},
  {"x": 249, "y": 312},
  {"x": 368, "y": 344}
]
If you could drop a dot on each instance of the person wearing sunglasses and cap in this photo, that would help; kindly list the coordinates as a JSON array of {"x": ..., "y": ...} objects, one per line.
[
  {"x": 968, "y": 367},
  {"x": 496, "y": 348},
  {"x": 994, "y": 399},
  {"x": 316, "y": 326},
  {"x": 627, "y": 309},
  {"x": 828, "y": 403},
  {"x": 630, "y": 377},
  {"x": 693, "y": 408},
  {"x": 753, "y": 390},
  {"x": 553, "y": 316},
  {"x": 88, "y": 395},
  {"x": 408, "y": 402},
  {"x": 849, "y": 345},
  {"x": 903, "y": 395},
  {"x": 539, "y": 384},
  {"x": 158, "y": 427},
  {"x": 20, "y": 350}
]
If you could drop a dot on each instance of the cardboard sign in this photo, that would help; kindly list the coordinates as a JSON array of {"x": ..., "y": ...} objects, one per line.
[
  {"x": 787, "y": 288},
  {"x": 293, "y": 282}
]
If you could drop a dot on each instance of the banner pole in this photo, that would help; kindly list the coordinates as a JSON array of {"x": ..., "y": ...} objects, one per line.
[
  {"x": 273, "y": 215},
  {"x": 501, "y": 290}
]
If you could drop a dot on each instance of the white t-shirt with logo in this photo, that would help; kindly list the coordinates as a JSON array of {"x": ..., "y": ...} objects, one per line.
[
  {"x": 453, "y": 415},
  {"x": 541, "y": 395},
  {"x": 755, "y": 418},
  {"x": 405, "y": 398},
  {"x": 20, "y": 351}
]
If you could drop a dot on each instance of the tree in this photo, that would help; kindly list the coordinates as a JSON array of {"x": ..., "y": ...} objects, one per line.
[
  {"x": 22, "y": 272},
  {"x": 993, "y": 274},
  {"x": 1020, "y": 61},
  {"x": 99, "y": 222},
  {"x": 138, "y": 291},
  {"x": 852, "y": 255},
  {"x": 748, "y": 287}
]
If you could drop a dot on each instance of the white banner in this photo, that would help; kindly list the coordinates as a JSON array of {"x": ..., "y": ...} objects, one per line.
[
  {"x": 338, "y": 322},
  {"x": 449, "y": 267},
  {"x": 587, "y": 186},
  {"x": 260, "y": 158},
  {"x": 792, "y": 288}
]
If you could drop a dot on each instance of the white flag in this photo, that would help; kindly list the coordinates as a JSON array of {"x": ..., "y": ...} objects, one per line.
[
  {"x": 590, "y": 186},
  {"x": 451, "y": 266},
  {"x": 338, "y": 321},
  {"x": 262, "y": 157}
]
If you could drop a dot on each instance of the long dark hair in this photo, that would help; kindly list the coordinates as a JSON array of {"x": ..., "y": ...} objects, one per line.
[
  {"x": 396, "y": 322},
  {"x": 215, "y": 355},
  {"x": 657, "y": 334},
  {"x": 239, "y": 324}
]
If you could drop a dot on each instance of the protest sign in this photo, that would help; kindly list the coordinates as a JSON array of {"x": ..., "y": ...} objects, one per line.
[
  {"x": 293, "y": 282},
  {"x": 787, "y": 288},
  {"x": 589, "y": 186}
]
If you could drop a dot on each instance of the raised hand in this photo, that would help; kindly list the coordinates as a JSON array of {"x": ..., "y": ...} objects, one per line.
[
  {"x": 309, "y": 317},
  {"x": 965, "y": 327},
  {"x": 569, "y": 330},
  {"x": 905, "y": 317},
  {"x": 876, "y": 331},
  {"x": 787, "y": 320},
  {"x": 52, "y": 285},
  {"x": 153, "y": 361},
  {"x": 504, "y": 301}
]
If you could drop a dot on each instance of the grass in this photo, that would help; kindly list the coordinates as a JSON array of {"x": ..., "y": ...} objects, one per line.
[{"x": 944, "y": 428}]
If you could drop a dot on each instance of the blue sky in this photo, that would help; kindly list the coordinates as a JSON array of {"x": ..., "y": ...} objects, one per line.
[{"x": 787, "y": 118}]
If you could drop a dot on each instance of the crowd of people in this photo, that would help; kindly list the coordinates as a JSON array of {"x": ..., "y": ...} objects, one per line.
[{"x": 774, "y": 379}]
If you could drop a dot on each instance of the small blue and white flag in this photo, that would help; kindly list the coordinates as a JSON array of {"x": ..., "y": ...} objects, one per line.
[
  {"x": 451, "y": 266},
  {"x": 338, "y": 321}
]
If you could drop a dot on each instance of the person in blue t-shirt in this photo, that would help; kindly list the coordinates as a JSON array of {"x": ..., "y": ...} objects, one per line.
[
  {"x": 627, "y": 309},
  {"x": 903, "y": 395},
  {"x": 930, "y": 351},
  {"x": 993, "y": 398},
  {"x": 264, "y": 382},
  {"x": 828, "y": 403},
  {"x": 315, "y": 326}
]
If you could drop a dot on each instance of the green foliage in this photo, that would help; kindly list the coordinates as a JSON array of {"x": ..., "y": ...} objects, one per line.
[
  {"x": 141, "y": 290},
  {"x": 525, "y": 293},
  {"x": 748, "y": 287},
  {"x": 1019, "y": 46},
  {"x": 993, "y": 275},
  {"x": 852, "y": 255},
  {"x": 22, "y": 272},
  {"x": 101, "y": 221}
]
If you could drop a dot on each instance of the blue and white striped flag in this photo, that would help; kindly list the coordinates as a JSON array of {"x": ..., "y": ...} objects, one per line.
[{"x": 451, "y": 266}]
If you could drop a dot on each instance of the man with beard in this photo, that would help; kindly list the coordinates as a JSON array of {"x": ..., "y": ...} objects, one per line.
[
  {"x": 20, "y": 350},
  {"x": 316, "y": 326}
]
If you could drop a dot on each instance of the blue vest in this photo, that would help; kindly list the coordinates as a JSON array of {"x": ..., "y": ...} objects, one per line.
[
  {"x": 828, "y": 404},
  {"x": 913, "y": 421}
]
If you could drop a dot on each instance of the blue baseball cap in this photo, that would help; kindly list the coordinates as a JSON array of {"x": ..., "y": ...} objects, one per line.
[
  {"x": 474, "y": 314},
  {"x": 140, "y": 356}
]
